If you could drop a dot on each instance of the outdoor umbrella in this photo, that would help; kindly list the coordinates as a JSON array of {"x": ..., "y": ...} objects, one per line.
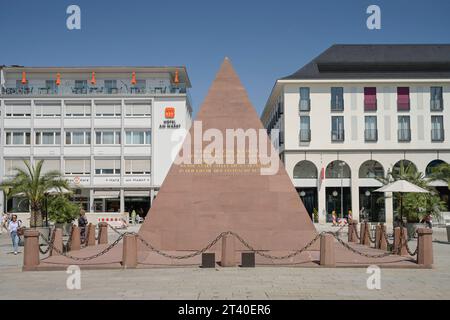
[{"x": 402, "y": 186}]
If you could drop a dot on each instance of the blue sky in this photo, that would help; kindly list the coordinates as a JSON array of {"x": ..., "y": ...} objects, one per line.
[{"x": 264, "y": 39}]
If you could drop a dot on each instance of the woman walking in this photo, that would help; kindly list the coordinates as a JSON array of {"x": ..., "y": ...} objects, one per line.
[{"x": 13, "y": 227}]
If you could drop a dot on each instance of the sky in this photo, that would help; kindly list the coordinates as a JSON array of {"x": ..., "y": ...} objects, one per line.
[{"x": 265, "y": 40}]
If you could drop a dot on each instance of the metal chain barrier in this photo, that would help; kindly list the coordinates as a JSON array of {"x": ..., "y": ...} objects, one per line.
[
  {"x": 367, "y": 255},
  {"x": 386, "y": 237},
  {"x": 355, "y": 227},
  {"x": 104, "y": 251},
  {"x": 404, "y": 242},
  {"x": 370, "y": 237},
  {"x": 66, "y": 247},
  {"x": 47, "y": 241}
]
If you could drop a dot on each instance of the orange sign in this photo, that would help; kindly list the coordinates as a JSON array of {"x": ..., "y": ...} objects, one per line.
[{"x": 169, "y": 112}]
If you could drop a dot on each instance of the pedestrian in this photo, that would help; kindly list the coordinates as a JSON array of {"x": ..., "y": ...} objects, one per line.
[
  {"x": 13, "y": 228},
  {"x": 133, "y": 217},
  {"x": 428, "y": 221},
  {"x": 82, "y": 222}
]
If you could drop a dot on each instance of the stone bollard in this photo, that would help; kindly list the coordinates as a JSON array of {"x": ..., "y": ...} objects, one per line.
[
  {"x": 102, "y": 233},
  {"x": 383, "y": 240},
  {"x": 129, "y": 253},
  {"x": 425, "y": 247},
  {"x": 366, "y": 240},
  {"x": 327, "y": 258},
  {"x": 90, "y": 236},
  {"x": 362, "y": 232},
  {"x": 355, "y": 230},
  {"x": 350, "y": 231},
  {"x": 57, "y": 242},
  {"x": 228, "y": 251},
  {"x": 377, "y": 236},
  {"x": 75, "y": 241},
  {"x": 398, "y": 234},
  {"x": 31, "y": 250}
]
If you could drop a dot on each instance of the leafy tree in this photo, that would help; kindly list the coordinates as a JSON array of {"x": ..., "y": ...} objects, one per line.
[
  {"x": 442, "y": 172},
  {"x": 33, "y": 184},
  {"x": 415, "y": 205},
  {"x": 62, "y": 210}
]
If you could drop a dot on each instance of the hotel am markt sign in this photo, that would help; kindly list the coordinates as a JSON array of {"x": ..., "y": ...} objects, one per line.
[{"x": 169, "y": 121}]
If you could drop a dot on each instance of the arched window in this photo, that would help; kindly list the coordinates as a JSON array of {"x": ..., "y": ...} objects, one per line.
[
  {"x": 408, "y": 166},
  {"x": 305, "y": 170},
  {"x": 338, "y": 169},
  {"x": 371, "y": 169},
  {"x": 432, "y": 165}
]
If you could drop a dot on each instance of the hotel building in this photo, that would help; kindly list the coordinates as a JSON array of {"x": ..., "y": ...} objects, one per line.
[
  {"x": 107, "y": 129},
  {"x": 353, "y": 113}
]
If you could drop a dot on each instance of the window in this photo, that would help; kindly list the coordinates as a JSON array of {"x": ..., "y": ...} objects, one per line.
[
  {"x": 403, "y": 102},
  {"x": 370, "y": 131},
  {"x": 138, "y": 110},
  {"x": 437, "y": 128},
  {"x": 305, "y": 129},
  {"x": 404, "y": 129},
  {"x": 436, "y": 102},
  {"x": 111, "y": 86},
  {"x": 51, "y": 86},
  {"x": 108, "y": 110},
  {"x": 135, "y": 166},
  {"x": 48, "y": 137},
  {"x": 50, "y": 165},
  {"x": 78, "y": 110},
  {"x": 305, "y": 102},
  {"x": 107, "y": 166},
  {"x": 12, "y": 164},
  {"x": 18, "y": 138},
  {"x": 370, "y": 99},
  {"x": 80, "y": 86},
  {"x": 78, "y": 137},
  {"x": 47, "y": 109},
  {"x": 138, "y": 137},
  {"x": 337, "y": 128},
  {"x": 337, "y": 99},
  {"x": 18, "y": 110},
  {"x": 107, "y": 137},
  {"x": 77, "y": 166}
]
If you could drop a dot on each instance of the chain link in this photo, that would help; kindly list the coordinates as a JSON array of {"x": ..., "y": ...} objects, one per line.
[
  {"x": 104, "y": 251},
  {"x": 404, "y": 242}
]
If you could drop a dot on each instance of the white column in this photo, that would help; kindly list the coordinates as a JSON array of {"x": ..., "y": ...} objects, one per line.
[
  {"x": 354, "y": 188},
  {"x": 91, "y": 200},
  {"x": 322, "y": 204},
  {"x": 389, "y": 209},
  {"x": 122, "y": 201}
]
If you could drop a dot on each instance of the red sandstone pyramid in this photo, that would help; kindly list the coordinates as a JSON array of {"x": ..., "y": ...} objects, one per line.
[{"x": 192, "y": 208}]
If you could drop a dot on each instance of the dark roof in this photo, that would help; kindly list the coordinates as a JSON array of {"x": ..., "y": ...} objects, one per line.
[{"x": 378, "y": 61}]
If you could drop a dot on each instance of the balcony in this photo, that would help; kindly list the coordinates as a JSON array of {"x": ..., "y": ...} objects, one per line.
[
  {"x": 371, "y": 135},
  {"x": 305, "y": 105},
  {"x": 436, "y": 105},
  {"x": 337, "y": 105},
  {"x": 404, "y": 135},
  {"x": 437, "y": 135},
  {"x": 91, "y": 90},
  {"x": 305, "y": 135},
  {"x": 337, "y": 135}
]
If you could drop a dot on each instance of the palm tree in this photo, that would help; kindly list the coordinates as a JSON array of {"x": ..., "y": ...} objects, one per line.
[
  {"x": 34, "y": 185},
  {"x": 442, "y": 172}
]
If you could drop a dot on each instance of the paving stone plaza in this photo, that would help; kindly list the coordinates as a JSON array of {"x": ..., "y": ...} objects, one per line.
[{"x": 228, "y": 283}]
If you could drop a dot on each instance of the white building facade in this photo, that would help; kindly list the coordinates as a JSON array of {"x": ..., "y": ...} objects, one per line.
[
  {"x": 108, "y": 130},
  {"x": 355, "y": 112}
]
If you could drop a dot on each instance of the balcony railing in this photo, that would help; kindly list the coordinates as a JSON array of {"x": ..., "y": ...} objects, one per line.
[
  {"x": 437, "y": 135},
  {"x": 337, "y": 104},
  {"x": 436, "y": 105},
  {"x": 337, "y": 135},
  {"x": 371, "y": 134},
  {"x": 305, "y": 135},
  {"x": 404, "y": 135},
  {"x": 305, "y": 105},
  {"x": 90, "y": 90}
]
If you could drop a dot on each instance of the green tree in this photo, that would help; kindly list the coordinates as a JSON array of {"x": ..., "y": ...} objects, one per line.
[
  {"x": 415, "y": 205},
  {"x": 33, "y": 184},
  {"x": 442, "y": 172},
  {"x": 62, "y": 210}
]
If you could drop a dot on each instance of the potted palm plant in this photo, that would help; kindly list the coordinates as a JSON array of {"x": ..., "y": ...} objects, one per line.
[
  {"x": 33, "y": 184},
  {"x": 62, "y": 212}
]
